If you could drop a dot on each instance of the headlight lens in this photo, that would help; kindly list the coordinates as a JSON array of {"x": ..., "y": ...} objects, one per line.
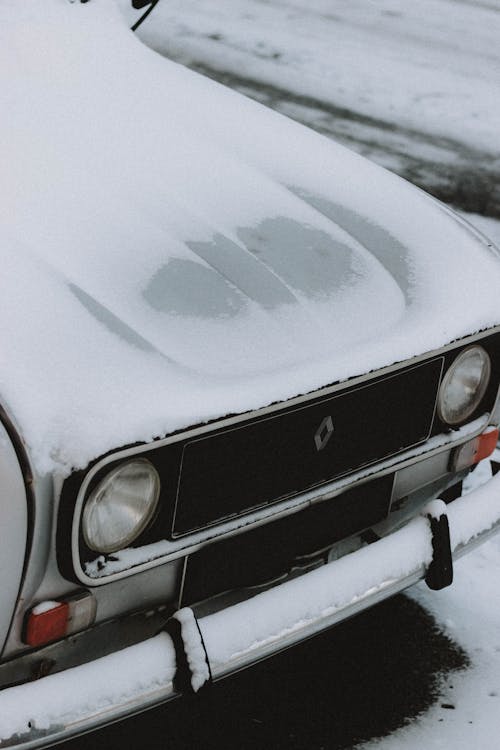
[
  {"x": 121, "y": 506},
  {"x": 464, "y": 385}
]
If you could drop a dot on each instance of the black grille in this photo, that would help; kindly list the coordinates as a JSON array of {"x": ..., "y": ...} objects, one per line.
[{"x": 235, "y": 470}]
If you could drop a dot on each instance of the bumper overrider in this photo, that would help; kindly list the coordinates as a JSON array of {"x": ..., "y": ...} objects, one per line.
[{"x": 193, "y": 651}]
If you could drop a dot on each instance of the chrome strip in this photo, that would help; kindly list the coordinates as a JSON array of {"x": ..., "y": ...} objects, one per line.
[{"x": 495, "y": 412}]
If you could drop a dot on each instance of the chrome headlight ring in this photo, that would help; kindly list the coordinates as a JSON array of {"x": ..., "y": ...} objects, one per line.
[
  {"x": 464, "y": 385},
  {"x": 121, "y": 506}
]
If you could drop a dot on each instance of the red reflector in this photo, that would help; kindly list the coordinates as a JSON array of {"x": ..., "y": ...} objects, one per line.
[
  {"x": 487, "y": 442},
  {"x": 47, "y": 626}
]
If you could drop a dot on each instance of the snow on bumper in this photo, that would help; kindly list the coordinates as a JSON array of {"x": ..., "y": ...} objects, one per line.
[
  {"x": 67, "y": 703},
  {"x": 304, "y": 606},
  {"x": 85, "y": 697}
]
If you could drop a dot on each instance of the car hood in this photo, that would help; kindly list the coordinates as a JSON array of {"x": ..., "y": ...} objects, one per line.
[{"x": 173, "y": 252}]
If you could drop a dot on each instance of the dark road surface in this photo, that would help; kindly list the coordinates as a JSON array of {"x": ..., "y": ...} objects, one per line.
[{"x": 361, "y": 680}]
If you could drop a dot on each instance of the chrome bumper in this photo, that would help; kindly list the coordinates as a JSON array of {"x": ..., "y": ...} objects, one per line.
[{"x": 91, "y": 695}]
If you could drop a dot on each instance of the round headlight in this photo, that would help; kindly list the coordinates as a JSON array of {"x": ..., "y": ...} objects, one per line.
[
  {"x": 464, "y": 385},
  {"x": 121, "y": 506}
]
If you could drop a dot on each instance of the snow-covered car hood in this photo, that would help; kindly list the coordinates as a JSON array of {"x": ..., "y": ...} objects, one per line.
[{"x": 173, "y": 252}]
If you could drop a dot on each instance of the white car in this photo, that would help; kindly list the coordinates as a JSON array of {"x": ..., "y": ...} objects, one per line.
[{"x": 244, "y": 372}]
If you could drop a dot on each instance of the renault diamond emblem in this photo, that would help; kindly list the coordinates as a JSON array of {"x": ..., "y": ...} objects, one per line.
[{"x": 323, "y": 433}]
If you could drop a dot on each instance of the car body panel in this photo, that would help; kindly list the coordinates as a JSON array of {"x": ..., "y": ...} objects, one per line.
[{"x": 14, "y": 530}]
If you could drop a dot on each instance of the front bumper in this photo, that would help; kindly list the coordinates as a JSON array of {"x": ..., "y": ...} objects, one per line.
[{"x": 113, "y": 687}]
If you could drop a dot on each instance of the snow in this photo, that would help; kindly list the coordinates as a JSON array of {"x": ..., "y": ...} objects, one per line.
[
  {"x": 43, "y": 607},
  {"x": 273, "y": 615},
  {"x": 193, "y": 646},
  {"x": 99, "y": 185},
  {"x": 428, "y": 68},
  {"x": 64, "y": 698},
  {"x": 489, "y": 227},
  {"x": 143, "y": 288},
  {"x": 435, "y": 509},
  {"x": 409, "y": 86}
]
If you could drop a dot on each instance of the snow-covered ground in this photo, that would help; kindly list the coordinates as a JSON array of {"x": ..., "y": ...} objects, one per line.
[{"x": 415, "y": 86}]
